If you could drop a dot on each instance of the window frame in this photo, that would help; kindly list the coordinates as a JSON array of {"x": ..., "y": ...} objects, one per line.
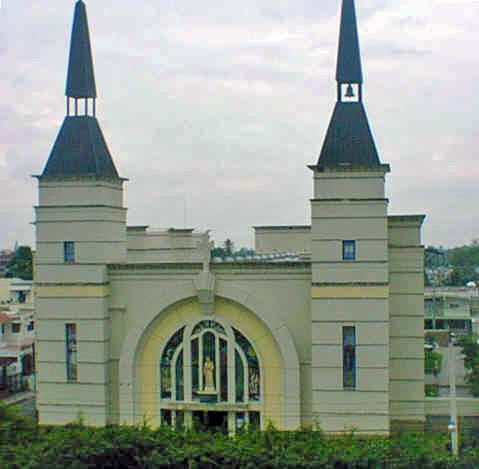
[
  {"x": 69, "y": 252},
  {"x": 71, "y": 351},
  {"x": 349, "y": 357},
  {"x": 349, "y": 250}
]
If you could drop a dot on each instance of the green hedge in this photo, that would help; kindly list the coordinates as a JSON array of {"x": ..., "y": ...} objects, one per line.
[
  {"x": 432, "y": 362},
  {"x": 24, "y": 445}
]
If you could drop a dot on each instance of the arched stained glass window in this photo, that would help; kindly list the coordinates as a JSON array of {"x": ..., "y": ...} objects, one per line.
[
  {"x": 166, "y": 362},
  {"x": 210, "y": 363},
  {"x": 213, "y": 325},
  {"x": 253, "y": 365}
]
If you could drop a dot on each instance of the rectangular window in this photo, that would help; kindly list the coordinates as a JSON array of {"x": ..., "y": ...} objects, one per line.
[
  {"x": 349, "y": 357},
  {"x": 349, "y": 250},
  {"x": 71, "y": 351},
  {"x": 16, "y": 327},
  {"x": 68, "y": 251}
]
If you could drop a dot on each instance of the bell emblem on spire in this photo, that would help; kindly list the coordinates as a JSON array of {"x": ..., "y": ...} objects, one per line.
[{"x": 349, "y": 91}]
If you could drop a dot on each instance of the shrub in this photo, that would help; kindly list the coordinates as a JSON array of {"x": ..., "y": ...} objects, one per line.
[{"x": 432, "y": 362}]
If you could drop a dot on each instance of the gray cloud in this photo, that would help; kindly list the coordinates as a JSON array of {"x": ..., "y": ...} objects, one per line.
[{"x": 218, "y": 106}]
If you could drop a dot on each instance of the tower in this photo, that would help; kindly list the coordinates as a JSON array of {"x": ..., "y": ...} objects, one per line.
[
  {"x": 80, "y": 228},
  {"x": 350, "y": 278}
]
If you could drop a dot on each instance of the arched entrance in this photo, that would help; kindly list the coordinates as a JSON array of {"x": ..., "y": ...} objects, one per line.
[{"x": 172, "y": 342}]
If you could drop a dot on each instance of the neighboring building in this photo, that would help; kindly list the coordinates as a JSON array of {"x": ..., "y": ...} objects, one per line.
[
  {"x": 17, "y": 336},
  {"x": 451, "y": 309},
  {"x": 136, "y": 324},
  {"x": 5, "y": 255},
  {"x": 15, "y": 290}
]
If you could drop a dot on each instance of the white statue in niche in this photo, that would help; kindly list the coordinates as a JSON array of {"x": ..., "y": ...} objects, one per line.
[
  {"x": 208, "y": 371},
  {"x": 254, "y": 383}
]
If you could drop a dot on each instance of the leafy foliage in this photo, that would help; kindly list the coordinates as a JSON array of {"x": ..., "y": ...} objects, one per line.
[
  {"x": 23, "y": 444},
  {"x": 464, "y": 260},
  {"x": 228, "y": 250},
  {"x": 21, "y": 264},
  {"x": 456, "y": 266},
  {"x": 432, "y": 362},
  {"x": 431, "y": 390},
  {"x": 470, "y": 349}
]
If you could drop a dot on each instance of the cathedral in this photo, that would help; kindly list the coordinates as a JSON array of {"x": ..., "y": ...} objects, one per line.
[{"x": 139, "y": 325}]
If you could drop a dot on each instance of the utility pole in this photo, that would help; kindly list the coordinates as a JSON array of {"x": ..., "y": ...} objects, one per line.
[{"x": 452, "y": 427}]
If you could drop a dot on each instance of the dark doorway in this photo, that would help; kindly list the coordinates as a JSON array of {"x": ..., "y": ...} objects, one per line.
[{"x": 211, "y": 421}]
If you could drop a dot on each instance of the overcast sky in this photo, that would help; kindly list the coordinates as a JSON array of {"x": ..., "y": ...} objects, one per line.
[{"x": 213, "y": 108}]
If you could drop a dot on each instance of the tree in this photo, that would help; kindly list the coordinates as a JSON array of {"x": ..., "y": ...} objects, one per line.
[
  {"x": 464, "y": 260},
  {"x": 21, "y": 264},
  {"x": 470, "y": 348}
]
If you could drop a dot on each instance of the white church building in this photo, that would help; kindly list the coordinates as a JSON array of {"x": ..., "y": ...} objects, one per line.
[{"x": 134, "y": 324}]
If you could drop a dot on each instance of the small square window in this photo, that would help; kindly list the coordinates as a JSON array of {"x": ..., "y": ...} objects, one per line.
[
  {"x": 349, "y": 250},
  {"x": 16, "y": 327},
  {"x": 68, "y": 251}
]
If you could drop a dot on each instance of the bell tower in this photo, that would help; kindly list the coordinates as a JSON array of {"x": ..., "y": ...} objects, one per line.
[
  {"x": 80, "y": 228},
  {"x": 350, "y": 285}
]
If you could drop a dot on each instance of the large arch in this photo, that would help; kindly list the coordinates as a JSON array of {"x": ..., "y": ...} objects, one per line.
[{"x": 266, "y": 315}]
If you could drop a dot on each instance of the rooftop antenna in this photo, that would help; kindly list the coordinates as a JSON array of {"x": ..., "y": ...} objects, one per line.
[{"x": 185, "y": 211}]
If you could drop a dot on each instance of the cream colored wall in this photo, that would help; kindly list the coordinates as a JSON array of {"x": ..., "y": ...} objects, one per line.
[
  {"x": 103, "y": 251},
  {"x": 272, "y": 239},
  {"x": 285, "y": 296},
  {"x": 165, "y": 246},
  {"x": 86, "y": 306},
  {"x": 90, "y": 213},
  {"x": 365, "y": 308},
  {"x": 349, "y": 184},
  {"x": 80, "y": 192},
  {"x": 350, "y": 205},
  {"x": 407, "y": 318},
  {"x": 278, "y": 297}
]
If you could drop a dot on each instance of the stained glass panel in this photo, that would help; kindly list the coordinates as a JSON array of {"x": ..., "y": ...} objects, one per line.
[
  {"x": 224, "y": 370},
  {"x": 239, "y": 377},
  {"x": 253, "y": 366},
  {"x": 180, "y": 387},
  {"x": 253, "y": 383},
  {"x": 195, "y": 364},
  {"x": 349, "y": 357},
  {"x": 165, "y": 365},
  {"x": 208, "y": 324}
]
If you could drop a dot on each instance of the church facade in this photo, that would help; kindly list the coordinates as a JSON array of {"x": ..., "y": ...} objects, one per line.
[{"x": 136, "y": 325}]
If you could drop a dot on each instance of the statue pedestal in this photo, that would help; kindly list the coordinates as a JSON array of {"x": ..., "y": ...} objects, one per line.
[{"x": 208, "y": 395}]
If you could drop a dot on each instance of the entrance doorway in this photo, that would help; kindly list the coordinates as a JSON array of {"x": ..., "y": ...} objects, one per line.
[{"x": 212, "y": 421}]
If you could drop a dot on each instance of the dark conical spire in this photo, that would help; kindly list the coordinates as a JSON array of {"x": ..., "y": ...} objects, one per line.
[
  {"x": 349, "y": 58},
  {"x": 80, "y": 150},
  {"x": 349, "y": 142},
  {"x": 80, "y": 78}
]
